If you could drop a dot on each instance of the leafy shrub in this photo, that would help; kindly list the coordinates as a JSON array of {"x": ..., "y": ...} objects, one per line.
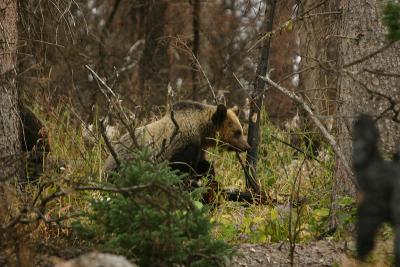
[{"x": 159, "y": 225}]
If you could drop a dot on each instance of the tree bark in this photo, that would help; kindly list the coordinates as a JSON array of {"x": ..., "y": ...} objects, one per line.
[
  {"x": 10, "y": 145},
  {"x": 256, "y": 98},
  {"x": 319, "y": 53},
  {"x": 364, "y": 87},
  {"x": 196, "y": 46},
  {"x": 154, "y": 63}
]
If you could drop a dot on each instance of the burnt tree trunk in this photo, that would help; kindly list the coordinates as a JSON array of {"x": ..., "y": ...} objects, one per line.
[
  {"x": 256, "y": 99},
  {"x": 196, "y": 46},
  {"x": 367, "y": 86},
  {"x": 10, "y": 145}
]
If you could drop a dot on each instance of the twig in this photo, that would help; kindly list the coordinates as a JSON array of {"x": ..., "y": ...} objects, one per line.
[
  {"x": 382, "y": 73},
  {"x": 114, "y": 103},
  {"x": 39, "y": 211},
  {"x": 108, "y": 143},
  {"x": 201, "y": 69},
  {"x": 393, "y": 103},
  {"x": 305, "y": 153},
  {"x": 252, "y": 182},
  {"x": 294, "y": 234},
  {"x": 317, "y": 122},
  {"x": 205, "y": 77},
  {"x": 100, "y": 80},
  {"x": 366, "y": 57},
  {"x": 176, "y": 126}
]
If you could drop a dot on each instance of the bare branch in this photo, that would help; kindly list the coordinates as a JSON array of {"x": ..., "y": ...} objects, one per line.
[
  {"x": 20, "y": 218},
  {"x": 100, "y": 80},
  {"x": 317, "y": 122},
  {"x": 108, "y": 143},
  {"x": 382, "y": 73}
]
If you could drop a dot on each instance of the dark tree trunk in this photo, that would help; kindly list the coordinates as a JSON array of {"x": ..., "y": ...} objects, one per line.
[
  {"x": 10, "y": 145},
  {"x": 196, "y": 46},
  {"x": 154, "y": 70},
  {"x": 256, "y": 98}
]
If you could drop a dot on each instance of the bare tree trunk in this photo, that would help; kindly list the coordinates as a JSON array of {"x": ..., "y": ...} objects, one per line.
[
  {"x": 10, "y": 145},
  {"x": 319, "y": 53},
  {"x": 365, "y": 87},
  {"x": 154, "y": 63},
  {"x": 196, "y": 46},
  {"x": 257, "y": 96}
]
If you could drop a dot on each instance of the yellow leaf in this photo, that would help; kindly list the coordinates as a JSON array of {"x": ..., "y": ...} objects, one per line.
[{"x": 289, "y": 25}]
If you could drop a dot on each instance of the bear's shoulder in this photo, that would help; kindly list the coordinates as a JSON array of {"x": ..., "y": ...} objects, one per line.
[{"x": 190, "y": 105}]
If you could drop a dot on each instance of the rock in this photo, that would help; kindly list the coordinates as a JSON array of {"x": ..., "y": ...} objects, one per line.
[{"x": 94, "y": 259}]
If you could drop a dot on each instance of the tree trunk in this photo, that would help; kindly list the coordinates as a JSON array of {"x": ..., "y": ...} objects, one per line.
[
  {"x": 10, "y": 145},
  {"x": 257, "y": 99},
  {"x": 366, "y": 87},
  {"x": 196, "y": 46},
  {"x": 154, "y": 63},
  {"x": 319, "y": 53}
]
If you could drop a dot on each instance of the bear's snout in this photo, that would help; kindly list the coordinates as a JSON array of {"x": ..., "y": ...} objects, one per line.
[
  {"x": 246, "y": 146},
  {"x": 243, "y": 146}
]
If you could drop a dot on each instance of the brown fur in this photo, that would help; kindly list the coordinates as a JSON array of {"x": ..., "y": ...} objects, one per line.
[{"x": 183, "y": 134}]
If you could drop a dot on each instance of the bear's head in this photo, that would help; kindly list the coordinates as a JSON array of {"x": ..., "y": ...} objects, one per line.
[{"x": 229, "y": 128}]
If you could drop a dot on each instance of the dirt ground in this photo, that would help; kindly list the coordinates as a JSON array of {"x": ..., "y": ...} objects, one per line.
[{"x": 319, "y": 253}]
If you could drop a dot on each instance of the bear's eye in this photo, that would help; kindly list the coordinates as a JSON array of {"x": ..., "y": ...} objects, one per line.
[{"x": 237, "y": 133}]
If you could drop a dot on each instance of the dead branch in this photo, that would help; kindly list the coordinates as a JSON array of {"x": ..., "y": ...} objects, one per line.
[
  {"x": 201, "y": 69},
  {"x": 108, "y": 143},
  {"x": 382, "y": 73},
  {"x": 116, "y": 104},
  {"x": 317, "y": 122},
  {"x": 39, "y": 211}
]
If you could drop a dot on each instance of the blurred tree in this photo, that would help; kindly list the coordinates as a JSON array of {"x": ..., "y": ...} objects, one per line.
[{"x": 10, "y": 143}]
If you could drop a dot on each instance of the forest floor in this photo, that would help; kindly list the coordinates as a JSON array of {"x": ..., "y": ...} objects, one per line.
[{"x": 318, "y": 253}]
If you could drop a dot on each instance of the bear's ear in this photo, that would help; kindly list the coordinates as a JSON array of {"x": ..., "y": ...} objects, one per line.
[
  {"x": 235, "y": 110},
  {"x": 219, "y": 116}
]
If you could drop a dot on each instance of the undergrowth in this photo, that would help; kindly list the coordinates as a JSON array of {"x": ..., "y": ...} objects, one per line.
[
  {"x": 298, "y": 186},
  {"x": 157, "y": 224},
  {"x": 283, "y": 172}
]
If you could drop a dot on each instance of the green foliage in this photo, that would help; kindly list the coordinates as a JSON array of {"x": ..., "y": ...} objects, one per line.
[
  {"x": 159, "y": 225},
  {"x": 283, "y": 172},
  {"x": 391, "y": 19},
  {"x": 347, "y": 211}
]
